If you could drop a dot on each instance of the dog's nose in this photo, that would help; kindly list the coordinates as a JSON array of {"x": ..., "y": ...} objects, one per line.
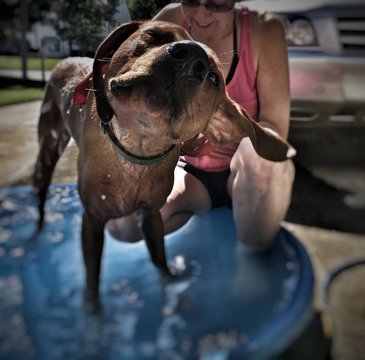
[{"x": 191, "y": 54}]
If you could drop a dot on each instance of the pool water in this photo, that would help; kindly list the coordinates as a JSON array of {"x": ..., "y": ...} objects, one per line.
[{"x": 227, "y": 301}]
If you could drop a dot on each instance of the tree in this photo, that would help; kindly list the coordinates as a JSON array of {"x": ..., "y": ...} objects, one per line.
[
  {"x": 82, "y": 23},
  {"x": 146, "y": 9},
  {"x": 15, "y": 18},
  {"x": 11, "y": 16}
]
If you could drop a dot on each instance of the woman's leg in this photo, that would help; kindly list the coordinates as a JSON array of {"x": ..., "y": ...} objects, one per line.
[
  {"x": 125, "y": 228},
  {"x": 261, "y": 194},
  {"x": 188, "y": 196}
]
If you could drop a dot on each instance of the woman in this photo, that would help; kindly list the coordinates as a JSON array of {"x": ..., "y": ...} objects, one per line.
[{"x": 252, "y": 51}]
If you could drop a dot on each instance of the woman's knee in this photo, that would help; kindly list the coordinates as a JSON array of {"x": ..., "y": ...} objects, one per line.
[
  {"x": 187, "y": 197},
  {"x": 261, "y": 197},
  {"x": 259, "y": 237},
  {"x": 125, "y": 229}
]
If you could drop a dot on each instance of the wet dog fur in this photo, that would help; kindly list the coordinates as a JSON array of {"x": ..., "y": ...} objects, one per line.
[{"x": 153, "y": 88}]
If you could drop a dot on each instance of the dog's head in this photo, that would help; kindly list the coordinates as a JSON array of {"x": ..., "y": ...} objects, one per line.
[{"x": 171, "y": 87}]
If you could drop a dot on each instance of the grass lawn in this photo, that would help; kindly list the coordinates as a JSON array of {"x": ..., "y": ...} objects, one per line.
[
  {"x": 18, "y": 94},
  {"x": 33, "y": 63},
  {"x": 15, "y": 94}
]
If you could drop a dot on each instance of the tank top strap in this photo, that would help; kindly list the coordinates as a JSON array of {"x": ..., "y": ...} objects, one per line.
[{"x": 186, "y": 26}]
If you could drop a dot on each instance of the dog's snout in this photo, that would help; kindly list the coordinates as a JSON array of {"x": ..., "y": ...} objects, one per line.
[
  {"x": 187, "y": 50},
  {"x": 179, "y": 51},
  {"x": 191, "y": 54}
]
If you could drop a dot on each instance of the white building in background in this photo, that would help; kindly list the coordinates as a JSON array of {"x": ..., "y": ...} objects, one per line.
[
  {"x": 122, "y": 15},
  {"x": 43, "y": 35}
]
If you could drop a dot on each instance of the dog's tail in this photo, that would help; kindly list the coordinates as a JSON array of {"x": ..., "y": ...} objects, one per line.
[{"x": 53, "y": 138}]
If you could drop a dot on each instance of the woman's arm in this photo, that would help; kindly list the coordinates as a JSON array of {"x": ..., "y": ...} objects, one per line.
[{"x": 272, "y": 75}]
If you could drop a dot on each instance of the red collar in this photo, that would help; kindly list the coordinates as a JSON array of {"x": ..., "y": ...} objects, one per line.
[
  {"x": 83, "y": 87},
  {"x": 82, "y": 90}
]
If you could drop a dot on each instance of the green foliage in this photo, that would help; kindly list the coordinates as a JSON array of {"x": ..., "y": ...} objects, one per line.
[
  {"x": 146, "y": 9},
  {"x": 83, "y": 22},
  {"x": 10, "y": 16}
]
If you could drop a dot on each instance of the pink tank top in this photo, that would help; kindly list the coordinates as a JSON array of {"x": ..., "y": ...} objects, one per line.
[{"x": 242, "y": 89}]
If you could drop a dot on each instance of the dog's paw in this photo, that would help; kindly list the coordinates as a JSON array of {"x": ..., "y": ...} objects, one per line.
[
  {"x": 92, "y": 303},
  {"x": 166, "y": 272}
]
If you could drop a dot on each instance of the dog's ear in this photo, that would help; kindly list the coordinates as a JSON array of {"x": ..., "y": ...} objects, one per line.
[
  {"x": 104, "y": 53},
  {"x": 230, "y": 123}
]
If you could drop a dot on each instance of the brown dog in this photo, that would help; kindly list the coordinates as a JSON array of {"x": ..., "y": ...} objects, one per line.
[{"x": 159, "y": 88}]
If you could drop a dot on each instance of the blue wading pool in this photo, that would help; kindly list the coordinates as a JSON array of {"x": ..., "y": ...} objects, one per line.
[{"x": 227, "y": 301}]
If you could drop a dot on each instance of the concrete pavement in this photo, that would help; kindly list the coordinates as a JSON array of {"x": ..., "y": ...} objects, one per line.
[{"x": 34, "y": 75}]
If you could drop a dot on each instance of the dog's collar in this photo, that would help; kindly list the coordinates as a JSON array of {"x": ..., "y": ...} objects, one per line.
[{"x": 136, "y": 159}]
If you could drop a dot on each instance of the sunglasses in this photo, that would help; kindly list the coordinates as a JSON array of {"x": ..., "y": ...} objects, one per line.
[{"x": 210, "y": 6}]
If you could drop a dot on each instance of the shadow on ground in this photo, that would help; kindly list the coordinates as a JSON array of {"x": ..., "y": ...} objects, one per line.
[{"x": 317, "y": 203}]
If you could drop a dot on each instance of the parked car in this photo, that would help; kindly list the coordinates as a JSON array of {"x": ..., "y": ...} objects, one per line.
[{"x": 326, "y": 47}]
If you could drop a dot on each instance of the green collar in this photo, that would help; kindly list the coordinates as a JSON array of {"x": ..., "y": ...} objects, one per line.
[{"x": 135, "y": 159}]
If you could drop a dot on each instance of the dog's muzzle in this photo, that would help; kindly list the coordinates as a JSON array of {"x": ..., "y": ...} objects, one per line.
[
  {"x": 187, "y": 58},
  {"x": 192, "y": 56}
]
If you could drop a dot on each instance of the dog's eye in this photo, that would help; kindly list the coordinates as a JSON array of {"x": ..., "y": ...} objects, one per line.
[
  {"x": 214, "y": 78},
  {"x": 158, "y": 37}
]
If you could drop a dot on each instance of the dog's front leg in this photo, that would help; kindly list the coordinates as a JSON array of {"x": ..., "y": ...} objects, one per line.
[
  {"x": 92, "y": 238},
  {"x": 152, "y": 227}
]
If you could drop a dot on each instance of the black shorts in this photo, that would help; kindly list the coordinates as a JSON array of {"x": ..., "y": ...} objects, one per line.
[{"x": 214, "y": 182}]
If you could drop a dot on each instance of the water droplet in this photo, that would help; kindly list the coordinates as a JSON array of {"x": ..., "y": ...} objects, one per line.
[
  {"x": 132, "y": 298},
  {"x": 17, "y": 319},
  {"x": 167, "y": 311},
  {"x": 179, "y": 263},
  {"x": 17, "y": 252},
  {"x": 54, "y": 134},
  {"x": 5, "y": 235},
  {"x": 8, "y": 204},
  {"x": 56, "y": 237}
]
